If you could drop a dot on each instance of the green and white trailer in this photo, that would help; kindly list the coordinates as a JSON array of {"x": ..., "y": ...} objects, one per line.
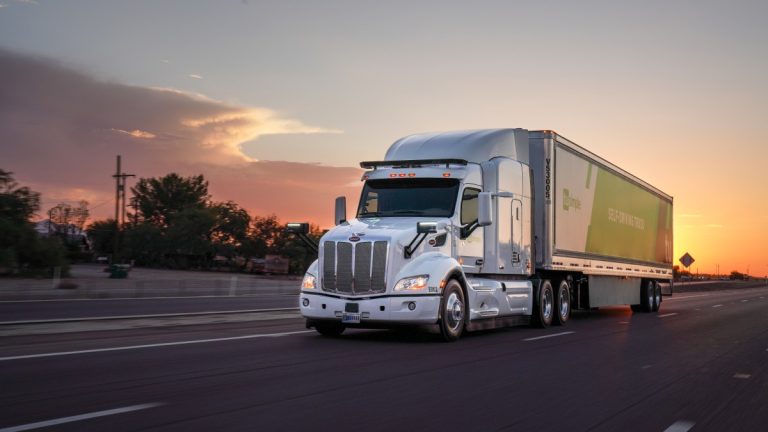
[{"x": 477, "y": 229}]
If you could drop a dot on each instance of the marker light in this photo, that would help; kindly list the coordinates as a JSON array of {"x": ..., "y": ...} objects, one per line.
[
  {"x": 446, "y": 174},
  {"x": 393, "y": 175},
  {"x": 401, "y": 175},
  {"x": 411, "y": 174}
]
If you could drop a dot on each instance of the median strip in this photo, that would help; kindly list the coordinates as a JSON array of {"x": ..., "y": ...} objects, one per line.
[{"x": 166, "y": 315}]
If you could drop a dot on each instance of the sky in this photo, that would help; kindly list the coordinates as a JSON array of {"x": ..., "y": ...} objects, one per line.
[{"x": 277, "y": 102}]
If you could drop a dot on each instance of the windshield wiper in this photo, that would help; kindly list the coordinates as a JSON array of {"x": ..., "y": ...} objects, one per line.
[{"x": 413, "y": 212}]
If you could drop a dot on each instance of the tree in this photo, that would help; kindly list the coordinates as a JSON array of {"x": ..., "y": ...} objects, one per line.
[
  {"x": 17, "y": 204},
  {"x": 102, "y": 236},
  {"x": 21, "y": 249},
  {"x": 159, "y": 200}
]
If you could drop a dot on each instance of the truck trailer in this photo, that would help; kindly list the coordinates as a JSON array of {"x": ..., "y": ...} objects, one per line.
[{"x": 479, "y": 229}]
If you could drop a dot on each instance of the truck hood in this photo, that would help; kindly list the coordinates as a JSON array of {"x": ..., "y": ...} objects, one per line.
[{"x": 399, "y": 231}]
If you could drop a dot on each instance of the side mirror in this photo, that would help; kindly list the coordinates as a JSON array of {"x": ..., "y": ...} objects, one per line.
[
  {"x": 297, "y": 228},
  {"x": 341, "y": 210},
  {"x": 484, "y": 209},
  {"x": 426, "y": 227}
]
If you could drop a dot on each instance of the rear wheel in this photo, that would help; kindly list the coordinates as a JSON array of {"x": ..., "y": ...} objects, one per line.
[
  {"x": 647, "y": 295},
  {"x": 656, "y": 296},
  {"x": 562, "y": 304},
  {"x": 544, "y": 306},
  {"x": 452, "y": 312},
  {"x": 330, "y": 329}
]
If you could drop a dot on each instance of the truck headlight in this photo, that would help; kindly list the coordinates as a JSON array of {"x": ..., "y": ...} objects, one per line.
[
  {"x": 413, "y": 283},
  {"x": 308, "y": 282}
]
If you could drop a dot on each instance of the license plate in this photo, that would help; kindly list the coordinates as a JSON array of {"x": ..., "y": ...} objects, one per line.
[{"x": 350, "y": 318}]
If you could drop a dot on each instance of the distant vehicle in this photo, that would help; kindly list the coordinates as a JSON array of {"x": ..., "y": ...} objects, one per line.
[
  {"x": 270, "y": 264},
  {"x": 478, "y": 229}
]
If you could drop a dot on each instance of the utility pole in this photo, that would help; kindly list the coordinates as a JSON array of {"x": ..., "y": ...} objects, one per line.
[{"x": 119, "y": 207}]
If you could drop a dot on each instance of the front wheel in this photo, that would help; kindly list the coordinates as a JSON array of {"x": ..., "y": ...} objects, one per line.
[
  {"x": 544, "y": 306},
  {"x": 330, "y": 329},
  {"x": 452, "y": 310}
]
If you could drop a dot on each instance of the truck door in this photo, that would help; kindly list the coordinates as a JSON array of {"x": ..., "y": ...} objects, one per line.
[
  {"x": 470, "y": 245},
  {"x": 517, "y": 232}
]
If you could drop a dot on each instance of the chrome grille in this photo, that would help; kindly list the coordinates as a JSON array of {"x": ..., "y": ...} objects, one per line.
[{"x": 354, "y": 268}]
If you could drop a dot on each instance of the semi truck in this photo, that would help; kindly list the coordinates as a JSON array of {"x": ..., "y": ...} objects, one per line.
[{"x": 478, "y": 229}]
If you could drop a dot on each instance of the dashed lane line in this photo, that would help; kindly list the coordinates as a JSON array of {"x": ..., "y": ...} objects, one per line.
[
  {"x": 156, "y": 345},
  {"x": 80, "y": 417},
  {"x": 680, "y": 426},
  {"x": 548, "y": 336}
]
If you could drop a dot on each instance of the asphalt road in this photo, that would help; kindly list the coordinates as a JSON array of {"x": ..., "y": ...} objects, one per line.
[
  {"x": 701, "y": 363},
  {"x": 66, "y": 309}
]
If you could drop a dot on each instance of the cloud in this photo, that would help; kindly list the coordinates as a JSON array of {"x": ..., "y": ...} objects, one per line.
[
  {"x": 60, "y": 131},
  {"x": 136, "y": 133},
  {"x": 689, "y": 215},
  {"x": 713, "y": 226},
  {"x": 195, "y": 76}
]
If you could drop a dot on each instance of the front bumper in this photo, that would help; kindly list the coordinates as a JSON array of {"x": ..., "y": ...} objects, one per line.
[{"x": 375, "y": 311}]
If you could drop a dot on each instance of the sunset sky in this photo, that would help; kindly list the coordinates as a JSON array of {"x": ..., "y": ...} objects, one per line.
[{"x": 276, "y": 102}]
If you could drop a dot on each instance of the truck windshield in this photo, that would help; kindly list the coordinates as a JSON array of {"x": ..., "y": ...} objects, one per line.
[{"x": 408, "y": 197}]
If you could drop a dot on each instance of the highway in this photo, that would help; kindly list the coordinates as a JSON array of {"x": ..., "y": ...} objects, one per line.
[{"x": 700, "y": 364}]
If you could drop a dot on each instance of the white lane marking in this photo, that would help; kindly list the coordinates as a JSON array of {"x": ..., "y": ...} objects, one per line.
[
  {"x": 70, "y": 419},
  {"x": 744, "y": 301},
  {"x": 548, "y": 336},
  {"x": 623, "y": 322},
  {"x": 646, "y": 367},
  {"x": 191, "y": 297},
  {"x": 687, "y": 297},
  {"x": 165, "y": 315},
  {"x": 680, "y": 426},
  {"x": 742, "y": 376},
  {"x": 668, "y": 315},
  {"x": 717, "y": 306},
  {"x": 164, "y": 344}
]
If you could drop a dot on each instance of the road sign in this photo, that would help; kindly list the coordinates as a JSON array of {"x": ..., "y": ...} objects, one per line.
[{"x": 686, "y": 260}]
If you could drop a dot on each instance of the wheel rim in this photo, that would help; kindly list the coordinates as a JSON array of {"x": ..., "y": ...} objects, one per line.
[
  {"x": 547, "y": 304},
  {"x": 565, "y": 304},
  {"x": 454, "y": 312}
]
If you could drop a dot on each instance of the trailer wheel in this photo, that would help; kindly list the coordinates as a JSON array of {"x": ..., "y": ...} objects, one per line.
[
  {"x": 329, "y": 329},
  {"x": 647, "y": 295},
  {"x": 544, "y": 306},
  {"x": 452, "y": 312},
  {"x": 656, "y": 296},
  {"x": 562, "y": 304}
]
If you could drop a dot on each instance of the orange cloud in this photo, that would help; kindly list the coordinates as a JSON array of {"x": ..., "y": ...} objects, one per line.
[{"x": 60, "y": 131}]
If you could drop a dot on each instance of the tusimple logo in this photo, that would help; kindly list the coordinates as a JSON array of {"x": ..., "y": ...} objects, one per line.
[{"x": 570, "y": 201}]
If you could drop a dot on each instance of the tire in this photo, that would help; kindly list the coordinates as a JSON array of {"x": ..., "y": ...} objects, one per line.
[
  {"x": 452, "y": 312},
  {"x": 646, "y": 295},
  {"x": 562, "y": 304},
  {"x": 636, "y": 308},
  {"x": 656, "y": 296},
  {"x": 330, "y": 329},
  {"x": 544, "y": 306}
]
